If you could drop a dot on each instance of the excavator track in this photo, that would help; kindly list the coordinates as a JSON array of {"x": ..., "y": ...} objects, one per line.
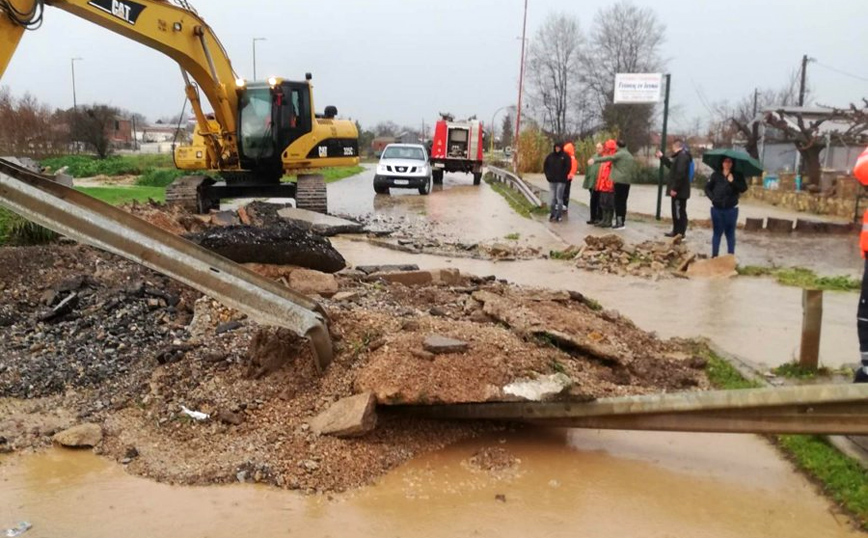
[
  {"x": 188, "y": 192},
  {"x": 38, "y": 198},
  {"x": 311, "y": 193}
]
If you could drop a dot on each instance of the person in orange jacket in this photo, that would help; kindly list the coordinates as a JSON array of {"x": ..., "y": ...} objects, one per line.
[
  {"x": 606, "y": 186},
  {"x": 861, "y": 173},
  {"x": 570, "y": 150}
]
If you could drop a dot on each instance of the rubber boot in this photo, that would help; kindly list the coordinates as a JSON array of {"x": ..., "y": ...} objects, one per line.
[
  {"x": 619, "y": 223},
  {"x": 861, "y": 375},
  {"x": 606, "y": 222}
]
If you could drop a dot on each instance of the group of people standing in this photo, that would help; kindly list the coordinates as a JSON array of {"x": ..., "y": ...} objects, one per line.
[{"x": 608, "y": 179}]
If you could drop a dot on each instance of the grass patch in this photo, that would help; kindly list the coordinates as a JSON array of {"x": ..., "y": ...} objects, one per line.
[
  {"x": 160, "y": 177},
  {"x": 839, "y": 476},
  {"x": 800, "y": 277},
  {"x": 332, "y": 175},
  {"x": 561, "y": 255},
  {"x": 15, "y": 230},
  {"x": 794, "y": 370},
  {"x": 119, "y": 165},
  {"x": 125, "y": 195},
  {"x": 512, "y": 237},
  {"x": 516, "y": 201}
]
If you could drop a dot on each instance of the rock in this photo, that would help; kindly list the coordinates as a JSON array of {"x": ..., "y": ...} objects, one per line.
[
  {"x": 541, "y": 389},
  {"x": 499, "y": 249},
  {"x": 310, "y": 465},
  {"x": 228, "y": 326},
  {"x": 721, "y": 267},
  {"x": 63, "y": 308},
  {"x": 228, "y": 417},
  {"x": 442, "y": 345},
  {"x": 48, "y": 297},
  {"x": 81, "y": 436},
  {"x": 605, "y": 242},
  {"x": 500, "y": 497},
  {"x": 224, "y": 218},
  {"x": 448, "y": 277},
  {"x": 753, "y": 225},
  {"x": 438, "y": 312},
  {"x": 308, "y": 282},
  {"x": 317, "y": 222},
  {"x": 407, "y": 278},
  {"x": 370, "y": 269},
  {"x": 350, "y": 417},
  {"x": 343, "y": 296},
  {"x": 244, "y": 217},
  {"x": 410, "y": 325},
  {"x": 422, "y": 354},
  {"x": 282, "y": 244},
  {"x": 478, "y": 316}
]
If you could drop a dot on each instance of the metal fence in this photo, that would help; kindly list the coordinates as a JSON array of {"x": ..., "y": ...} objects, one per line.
[{"x": 515, "y": 183}]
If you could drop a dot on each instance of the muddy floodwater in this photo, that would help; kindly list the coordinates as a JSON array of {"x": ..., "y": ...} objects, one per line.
[
  {"x": 564, "y": 483},
  {"x": 754, "y": 318}
]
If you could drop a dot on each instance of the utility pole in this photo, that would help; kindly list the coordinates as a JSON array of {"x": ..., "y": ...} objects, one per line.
[
  {"x": 805, "y": 61},
  {"x": 517, "y": 141},
  {"x": 255, "y": 39},
  {"x": 663, "y": 146},
  {"x": 74, "y": 100},
  {"x": 755, "y": 101}
]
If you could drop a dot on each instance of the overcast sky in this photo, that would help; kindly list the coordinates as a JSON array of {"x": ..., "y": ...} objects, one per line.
[{"x": 406, "y": 60}]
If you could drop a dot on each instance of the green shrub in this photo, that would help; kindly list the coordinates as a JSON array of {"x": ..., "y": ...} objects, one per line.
[
  {"x": 159, "y": 177},
  {"x": 119, "y": 165},
  {"x": 645, "y": 175}
]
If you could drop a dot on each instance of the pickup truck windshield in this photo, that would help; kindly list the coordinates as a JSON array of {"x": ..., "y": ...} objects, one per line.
[{"x": 414, "y": 154}]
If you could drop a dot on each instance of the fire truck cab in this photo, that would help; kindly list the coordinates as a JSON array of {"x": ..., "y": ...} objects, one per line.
[{"x": 456, "y": 147}]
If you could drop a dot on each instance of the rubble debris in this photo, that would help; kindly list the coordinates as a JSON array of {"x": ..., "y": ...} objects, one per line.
[
  {"x": 442, "y": 345},
  {"x": 283, "y": 244},
  {"x": 228, "y": 326},
  {"x": 18, "y": 530},
  {"x": 195, "y": 415},
  {"x": 81, "y": 436},
  {"x": 610, "y": 254},
  {"x": 324, "y": 225},
  {"x": 720, "y": 267},
  {"x": 369, "y": 269},
  {"x": 310, "y": 282},
  {"x": 349, "y": 417},
  {"x": 540, "y": 389}
]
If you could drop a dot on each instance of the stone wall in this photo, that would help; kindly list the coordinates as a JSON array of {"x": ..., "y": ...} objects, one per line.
[{"x": 839, "y": 202}]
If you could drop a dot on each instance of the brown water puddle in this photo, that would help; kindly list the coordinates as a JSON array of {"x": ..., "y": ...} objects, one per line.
[
  {"x": 754, "y": 318},
  {"x": 567, "y": 483}
]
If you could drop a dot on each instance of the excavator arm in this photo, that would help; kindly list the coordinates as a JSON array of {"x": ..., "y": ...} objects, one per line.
[{"x": 173, "y": 28}]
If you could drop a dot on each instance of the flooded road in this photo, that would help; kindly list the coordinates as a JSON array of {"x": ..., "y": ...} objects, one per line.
[
  {"x": 566, "y": 483},
  {"x": 754, "y": 318}
]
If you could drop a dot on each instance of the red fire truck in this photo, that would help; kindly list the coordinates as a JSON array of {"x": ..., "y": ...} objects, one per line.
[{"x": 456, "y": 147}]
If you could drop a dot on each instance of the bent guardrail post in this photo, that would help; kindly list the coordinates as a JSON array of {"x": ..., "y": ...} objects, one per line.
[{"x": 68, "y": 212}]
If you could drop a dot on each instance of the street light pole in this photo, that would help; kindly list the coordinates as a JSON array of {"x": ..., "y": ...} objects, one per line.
[
  {"x": 517, "y": 139},
  {"x": 491, "y": 142},
  {"x": 255, "y": 39},
  {"x": 74, "y": 99}
]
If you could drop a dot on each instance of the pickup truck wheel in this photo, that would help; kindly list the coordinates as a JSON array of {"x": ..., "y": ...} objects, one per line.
[
  {"x": 427, "y": 188},
  {"x": 477, "y": 178},
  {"x": 380, "y": 189},
  {"x": 438, "y": 177}
]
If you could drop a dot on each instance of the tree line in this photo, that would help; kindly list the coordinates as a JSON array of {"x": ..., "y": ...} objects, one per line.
[{"x": 571, "y": 72}]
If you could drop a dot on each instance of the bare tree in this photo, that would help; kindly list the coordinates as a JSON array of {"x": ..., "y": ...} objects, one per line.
[
  {"x": 28, "y": 127},
  {"x": 741, "y": 119},
  {"x": 506, "y": 131},
  {"x": 554, "y": 61},
  {"x": 91, "y": 125},
  {"x": 810, "y": 142},
  {"x": 386, "y": 128},
  {"x": 625, "y": 39}
]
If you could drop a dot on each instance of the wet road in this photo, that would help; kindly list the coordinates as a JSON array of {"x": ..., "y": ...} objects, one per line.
[
  {"x": 567, "y": 484},
  {"x": 461, "y": 210}
]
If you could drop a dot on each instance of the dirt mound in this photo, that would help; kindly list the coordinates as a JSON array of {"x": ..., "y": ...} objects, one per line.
[
  {"x": 136, "y": 349},
  {"x": 171, "y": 218},
  {"x": 281, "y": 244}
]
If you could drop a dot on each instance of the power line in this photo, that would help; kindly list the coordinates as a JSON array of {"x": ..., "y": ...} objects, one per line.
[{"x": 841, "y": 72}]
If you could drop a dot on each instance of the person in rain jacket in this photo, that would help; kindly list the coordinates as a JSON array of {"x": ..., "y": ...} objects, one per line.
[
  {"x": 622, "y": 175},
  {"x": 591, "y": 175},
  {"x": 570, "y": 150},
  {"x": 556, "y": 168},
  {"x": 606, "y": 186},
  {"x": 861, "y": 173},
  {"x": 678, "y": 185}
]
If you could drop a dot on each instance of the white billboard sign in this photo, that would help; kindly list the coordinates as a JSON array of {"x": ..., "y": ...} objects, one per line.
[{"x": 637, "y": 88}]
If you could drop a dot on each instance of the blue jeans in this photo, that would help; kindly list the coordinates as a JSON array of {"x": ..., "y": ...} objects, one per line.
[
  {"x": 557, "y": 205},
  {"x": 724, "y": 222}
]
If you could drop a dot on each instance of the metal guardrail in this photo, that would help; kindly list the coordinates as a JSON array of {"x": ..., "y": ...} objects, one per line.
[
  {"x": 516, "y": 183},
  {"x": 66, "y": 211}
]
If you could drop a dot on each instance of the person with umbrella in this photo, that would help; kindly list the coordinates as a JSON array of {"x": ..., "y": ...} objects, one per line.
[{"x": 724, "y": 187}]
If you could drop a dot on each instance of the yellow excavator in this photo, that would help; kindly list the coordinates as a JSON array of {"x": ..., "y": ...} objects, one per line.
[{"x": 258, "y": 131}]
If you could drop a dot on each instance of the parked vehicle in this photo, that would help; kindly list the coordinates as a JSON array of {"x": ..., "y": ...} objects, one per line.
[
  {"x": 403, "y": 166},
  {"x": 457, "y": 147}
]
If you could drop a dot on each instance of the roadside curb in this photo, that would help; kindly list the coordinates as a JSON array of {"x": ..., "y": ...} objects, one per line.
[{"x": 843, "y": 443}]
